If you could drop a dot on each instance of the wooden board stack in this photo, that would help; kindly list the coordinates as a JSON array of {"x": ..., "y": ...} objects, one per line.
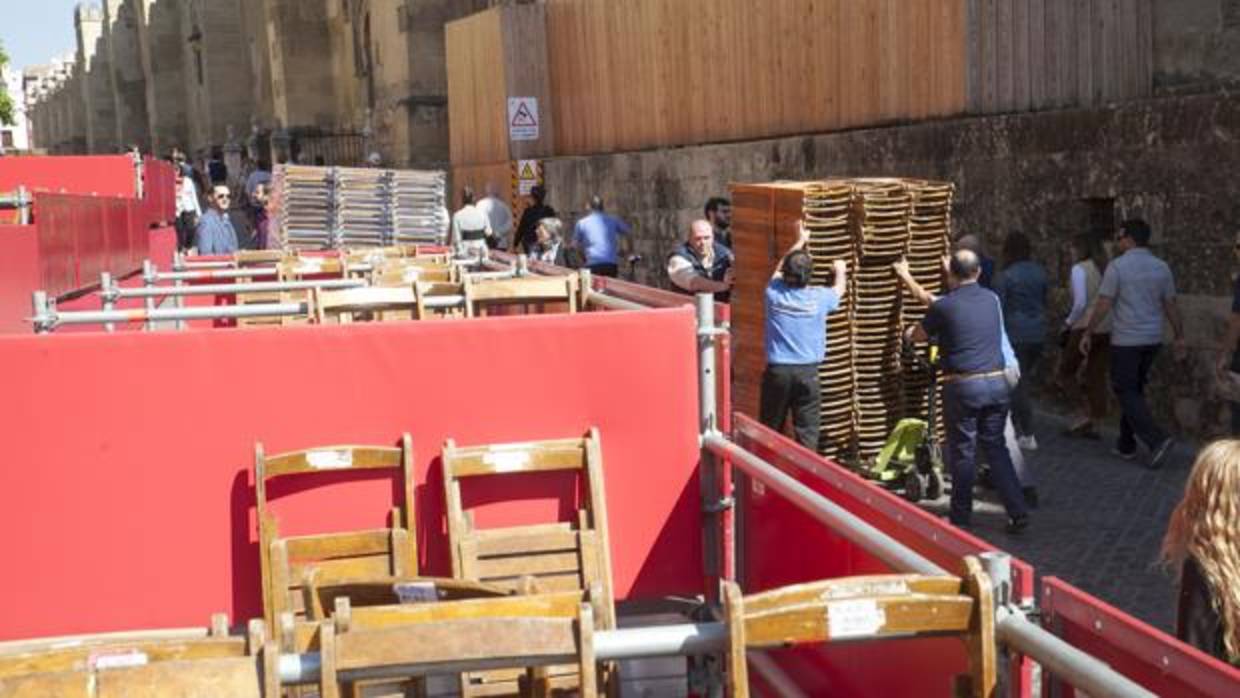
[
  {"x": 334, "y": 207},
  {"x": 867, "y": 384}
]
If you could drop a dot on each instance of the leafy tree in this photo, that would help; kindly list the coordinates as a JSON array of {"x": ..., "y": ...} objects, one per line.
[{"x": 6, "y": 101}]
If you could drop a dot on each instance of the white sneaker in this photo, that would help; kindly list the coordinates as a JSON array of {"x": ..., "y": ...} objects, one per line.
[{"x": 1027, "y": 443}]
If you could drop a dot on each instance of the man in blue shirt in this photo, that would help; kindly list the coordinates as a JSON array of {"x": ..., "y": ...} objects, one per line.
[
  {"x": 1138, "y": 289},
  {"x": 598, "y": 237},
  {"x": 968, "y": 325},
  {"x": 796, "y": 342},
  {"x": 215, "y": 233}
]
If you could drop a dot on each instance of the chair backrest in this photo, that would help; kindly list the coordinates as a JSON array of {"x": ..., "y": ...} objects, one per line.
[
  {"x": 366, "y": 303},
  {"x": 350, "y": 555},
  {"x": 527, "y": 632},
  {"x": 481, "y": 293},
  {"x": 559, "y": 556},
  {"x": 869, "y": 608},
  {"x": 150, "y": 664},
  {"x": 425, "y": 290},
  {"x": 299, "y": 268},
  {"x": 406, "y": 271},
  {"x": 250, "y": 258}
]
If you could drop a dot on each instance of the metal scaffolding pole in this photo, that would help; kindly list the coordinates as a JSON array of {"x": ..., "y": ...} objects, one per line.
[
  {"x": 609, "y": 645},
  {"x": 874, "y": 541},
  {"x": 252, "y": 287}
]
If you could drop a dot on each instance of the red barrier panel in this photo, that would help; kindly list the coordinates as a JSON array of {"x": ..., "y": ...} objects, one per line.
[
  {"x": 129, "y": 479},
  {"x": 19, "y": 276},
  {"x": 158, "y": 191},
  {"x": 1148, "y": 656},
  {"x": 81, "y": 236},
  {"x": 916, "y": 667},
  {"x": 100, "y": 175}
]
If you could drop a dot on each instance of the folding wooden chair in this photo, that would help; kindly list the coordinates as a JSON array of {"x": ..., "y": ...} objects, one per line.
[
  {"x": 527, "y": 633},
  {"x": 562, "y": 556},
  {"x": 870, "y": 608},
  {"x": 351, "y": 555},
  {"x": 484, "y": 293},
  {"x": 406, "y": 271},
  {"x": 423, "y": 290},
  {"x": 363, "y": 304},
  {"x": 146, "y": 664}
]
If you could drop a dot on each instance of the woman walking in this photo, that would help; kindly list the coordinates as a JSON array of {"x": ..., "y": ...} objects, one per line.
[
  {"x": 1084, "y": 378},
  {"x": 1022, "y": 290}
]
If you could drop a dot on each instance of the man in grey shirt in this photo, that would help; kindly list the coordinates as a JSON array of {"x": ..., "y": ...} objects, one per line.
[{"x": 1138, "y": 289}]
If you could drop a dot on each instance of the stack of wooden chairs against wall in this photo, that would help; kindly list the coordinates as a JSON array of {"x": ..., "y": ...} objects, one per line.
[
  {"x": 146, "y": 664},
  {"x": 561, "y": 556},
  {"x": 287, "y": 561},
  {"x": 547, "y": 293}
]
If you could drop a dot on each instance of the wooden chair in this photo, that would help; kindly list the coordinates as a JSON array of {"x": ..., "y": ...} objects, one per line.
[
  {"x": 351, "y": 555},
  {"x": 150, "y": 664},
  {"x": 529, "y": 633},
  {"x": 422, "y": 290},
  {"x": 481, "y": 294},
  {"x": 562, "y": 556},
  {"x": 403, "y": 272},
  {"x": 867, "y": 609},
  {"x": 363, "y": 304}
]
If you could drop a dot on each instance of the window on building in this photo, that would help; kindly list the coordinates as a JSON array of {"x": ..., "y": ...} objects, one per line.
[
  {"x": 198, "y": 64},
  {"x": 6, "y": 139}
]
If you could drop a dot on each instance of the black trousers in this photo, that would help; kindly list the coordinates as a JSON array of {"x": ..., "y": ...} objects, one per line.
[
  {"x": 608, "y": 270},
  {"x": 792, "y": 388}
]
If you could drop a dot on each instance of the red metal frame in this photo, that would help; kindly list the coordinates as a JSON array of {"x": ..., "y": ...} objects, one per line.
[
  {"x": 82, "y": 236},
  {"x": 1139, "y": 651}
]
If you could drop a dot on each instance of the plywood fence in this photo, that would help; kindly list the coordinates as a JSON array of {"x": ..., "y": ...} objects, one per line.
[
  {"x": 634, "y": 74},
  {"x": 1041, "y": 54},
  {"x": 630, "y": 74}
]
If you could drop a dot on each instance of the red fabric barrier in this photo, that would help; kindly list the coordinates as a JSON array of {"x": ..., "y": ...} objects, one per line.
[
  {"x": 161, "y": 246},
  {"x": 1157, "y": 661},
  {"x": 19, "y": 276},
  {"x": 915, "y": 667},
  {"x": 100, "y": 175},
  {"x": 130, "y": 455}
]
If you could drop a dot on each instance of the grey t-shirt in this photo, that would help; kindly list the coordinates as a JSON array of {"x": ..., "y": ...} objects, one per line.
[{"x": 1137, "y": 283}]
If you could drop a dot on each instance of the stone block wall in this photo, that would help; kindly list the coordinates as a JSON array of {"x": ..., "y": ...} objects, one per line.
[
  {"x": 1050, "y": 174},
  {"x": 162, "y": 57},
  {"x": 128, "y": 84},
  {"x": 98, "y": 107}
]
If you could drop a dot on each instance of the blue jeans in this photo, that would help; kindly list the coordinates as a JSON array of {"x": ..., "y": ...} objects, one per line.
[
  {"x": 1130, "y": 370},
  {"x": 975, "y": 411}
]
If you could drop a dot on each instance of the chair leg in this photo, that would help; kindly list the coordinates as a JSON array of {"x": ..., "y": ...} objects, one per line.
[{"x": 738, "y": 667}]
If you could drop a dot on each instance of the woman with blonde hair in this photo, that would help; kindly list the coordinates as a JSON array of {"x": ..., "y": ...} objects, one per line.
[{"x": 1203, "y": 538}]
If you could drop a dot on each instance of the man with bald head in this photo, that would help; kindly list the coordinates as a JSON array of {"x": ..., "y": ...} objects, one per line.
[
  {"x": 970, "y": 242},
  {"x": 967, "y": 324},
  {"x": 701, "y": 264}
]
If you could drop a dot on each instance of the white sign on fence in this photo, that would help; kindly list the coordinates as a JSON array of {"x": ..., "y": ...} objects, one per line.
[{"x": 523, "y": 118}]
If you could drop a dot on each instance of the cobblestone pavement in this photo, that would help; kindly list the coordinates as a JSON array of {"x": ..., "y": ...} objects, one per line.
[{"x": 1100, "y": 522}]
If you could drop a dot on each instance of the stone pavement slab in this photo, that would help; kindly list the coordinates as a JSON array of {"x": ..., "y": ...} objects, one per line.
[{"x": 1100, "y": 522}]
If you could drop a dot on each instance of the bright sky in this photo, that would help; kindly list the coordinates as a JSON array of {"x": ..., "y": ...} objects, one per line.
[{"x": 35, "y": 31}]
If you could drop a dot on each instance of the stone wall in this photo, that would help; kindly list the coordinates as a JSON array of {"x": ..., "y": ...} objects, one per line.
[
  {"x": 163, "y": 67},
  {"x": 1050, "y": 174},
  {"x": 127, "y": 81},
  {"x": 217, "y": 73},
  {"x": 95, "y": 86}
]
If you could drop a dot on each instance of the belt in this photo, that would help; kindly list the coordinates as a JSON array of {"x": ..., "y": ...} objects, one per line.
[
  {"x": 471, "y": 235},
  {"x": 952, "y": 377}
]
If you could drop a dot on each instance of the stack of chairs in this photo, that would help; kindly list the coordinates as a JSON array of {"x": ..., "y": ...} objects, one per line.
[{"x": 518, "y": 617}]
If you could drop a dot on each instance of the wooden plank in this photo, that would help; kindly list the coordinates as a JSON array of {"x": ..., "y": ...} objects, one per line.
[
  {"x": 1005, "y": 96},
  {"x": 1087, "y": 55},
  {"x": 327, "y": 571},
  {"x": 336, "y": 545},
  {"x": 538, "y": 538},
  {"x": 1022, "y": 68},
  {"x": 341, "y": 457},
  {"x": 527, "y": 563},
  {"x": 206, "y": 678},
  {"x": 1145, "y": 48},
  {"x": 534, "y": 640}
]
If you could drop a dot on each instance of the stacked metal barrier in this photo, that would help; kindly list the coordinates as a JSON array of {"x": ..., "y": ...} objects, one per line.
[
  {"x": 334, "y": 207},
  {"x": 868, "y": 384}
]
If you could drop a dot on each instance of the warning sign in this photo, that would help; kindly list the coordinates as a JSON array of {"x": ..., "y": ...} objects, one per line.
[
  {"x": 529, "y": 173},
  {"x": 523, "y": 118}
]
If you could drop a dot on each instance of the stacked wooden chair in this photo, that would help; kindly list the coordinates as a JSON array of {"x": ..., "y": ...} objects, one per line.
[
  {"x": 290, "y": 563},
  {"x": 562, "y": 556},
  {"x": 870, "y": 608},
  {"x": 483, "y": 295},
  {"x": 150, "y": 664}
]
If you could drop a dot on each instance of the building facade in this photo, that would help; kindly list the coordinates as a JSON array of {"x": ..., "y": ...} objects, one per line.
[{"x": 14, "y": 137}]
